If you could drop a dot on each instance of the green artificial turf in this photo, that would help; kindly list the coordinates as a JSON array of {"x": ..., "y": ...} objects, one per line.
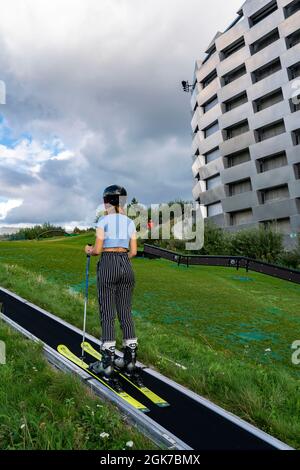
[{"x": 231, "y": 331}]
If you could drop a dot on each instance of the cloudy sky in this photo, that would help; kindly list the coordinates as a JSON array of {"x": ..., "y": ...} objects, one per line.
[{"x": 94, "y": 98}]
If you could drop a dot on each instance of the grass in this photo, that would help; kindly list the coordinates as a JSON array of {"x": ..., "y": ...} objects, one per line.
[
  {"x": 44, "y": 409},
  {"x": 233, "y": 331}
]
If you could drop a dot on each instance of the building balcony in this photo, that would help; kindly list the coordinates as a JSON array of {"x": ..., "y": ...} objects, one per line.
[
  {"x": 232, "y": 35},
  {"x": 240, "y": 202},
  {"x": 205, "y": 69},
  {"x": 267, "y": 85},
  {"x": 198, "y": 189},
  {"x": 218, "y": 220},
  {"x": 250, "y": 8},
  {"x": 290, "y": 56},
  {"x": 292, "y": 122},
  {"x": 289, "y": 25},
  {"x": 293, "y": 155},
  {"x": 233, "y": 61},
  {"x": 267, "y": 116},
  {"x": 238, "y": 172},
  {"x": 234, "y": 88},
  {"x": 198, "y": 163},
  {"x": 210, "y": 143},
  {"x": 211, "y": 169},
  {"x": 212, "y": 196},
  {"x": 266, "y": 55},
  {"x": 294, "y": 188},
  {"x": 238, "y": 114},
  {"x": 271, "y": 146},
  {"x": 237, "y": 143},
  {"x": 208, "y": 92},
  {"x": 272, "y": 178},
  {"x": 211, "y": 116},
  {"x": 264, "y": 27},
  {"x": 279, "y": 209}
]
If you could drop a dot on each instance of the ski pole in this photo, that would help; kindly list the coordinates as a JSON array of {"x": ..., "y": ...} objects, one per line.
[{"x": 88, "y": 260}]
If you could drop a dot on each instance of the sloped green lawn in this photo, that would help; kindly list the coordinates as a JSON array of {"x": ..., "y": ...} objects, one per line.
[{"x": 231, "y": 330}]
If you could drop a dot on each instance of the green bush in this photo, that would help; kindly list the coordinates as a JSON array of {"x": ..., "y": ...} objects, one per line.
[
  {"x": 216, "y": 241},
  {"x": 263, "y": 244},
  {"x": 32, "y": 233},
  {"x": 291, "y": 259}
]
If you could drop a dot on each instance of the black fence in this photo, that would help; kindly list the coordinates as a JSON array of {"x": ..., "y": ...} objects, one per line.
[{"x": 152, "y": 251}]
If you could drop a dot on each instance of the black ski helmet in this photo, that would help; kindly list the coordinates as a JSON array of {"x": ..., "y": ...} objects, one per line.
[{"x": 115, "y": 195}]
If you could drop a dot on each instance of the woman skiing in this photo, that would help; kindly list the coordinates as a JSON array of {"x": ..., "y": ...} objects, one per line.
[{"x": 116, "y": 241}]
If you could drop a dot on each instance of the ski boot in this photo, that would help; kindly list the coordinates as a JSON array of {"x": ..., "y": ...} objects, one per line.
[
  {"x": 127, "y": 364},
  {"x": 105, "y": 367}
]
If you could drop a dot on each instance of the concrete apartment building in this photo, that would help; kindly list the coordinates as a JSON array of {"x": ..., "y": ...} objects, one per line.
[{"x": 246, "y": 120}]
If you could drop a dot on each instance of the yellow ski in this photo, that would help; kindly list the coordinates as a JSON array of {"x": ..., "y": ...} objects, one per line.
[
  {"x": 87, "y": 347},
  {"x": 65, "y": 351}
]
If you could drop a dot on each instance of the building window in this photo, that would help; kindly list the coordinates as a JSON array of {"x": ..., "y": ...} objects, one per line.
[
  {"x": 297, "y": 171},
  {"x": 271, "y": 162},
  {"x": 237, "y": 158},
  {"x": 240, "y": 187},
  {"x": 211, "y": 129},
  {"x": 209, "y": 78},
  {"x": 268, "y": 100},
  {"x": 272, "y": 130},
  {"x": 236, "y": 101},
  {"x": 295, "y": 104},
  {"x": 214, "y": 209},
  {"x": 279, "y": 225},
  {"x": 292, "y": 8},
  {"x": 236, "y": 130},
  {"x": 210, "y": 104},
  {"x": 232, "y": 48},
  {"x": 210, "y": 53},
  {"x": 213, "y": 182},
  {"x": 267, "y": 70},
  {"x": 294, "y": 71},
  {"x": 234, "y": 75},
  {"x": 265, "y": 41},
  {"x": 293, "y": 39},
  {"x": 263, "y": 13},
  {"x": 275, "y": 194},
  {"x": 212, "y": 155},
  {"x": 241, "y": 217},
  {"x": 296, "y": 136}
]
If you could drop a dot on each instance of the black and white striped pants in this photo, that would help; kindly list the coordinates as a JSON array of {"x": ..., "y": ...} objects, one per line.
[{"x": 115, "y": 283}]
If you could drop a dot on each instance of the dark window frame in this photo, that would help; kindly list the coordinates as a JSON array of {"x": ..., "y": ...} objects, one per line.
[
  {"x": 291, "y": 8},
  {"x": 209, "y": 78},
  {"x": 265, "y": 41},
  {"x": 258, "y": 132},
  {"x": 263, "y": 13},
  {"x": 232, "y": 48},
  {"x": 275, "y": 65},
  {"x": 230, "y": 130},
  {"x": 235, "y": 99},
  {"x": 258, "y": 102}
]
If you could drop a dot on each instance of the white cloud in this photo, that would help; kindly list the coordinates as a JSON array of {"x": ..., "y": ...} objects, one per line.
[
  {"x": 6, "y": 206},
  {"x": 97, "y": 85}
]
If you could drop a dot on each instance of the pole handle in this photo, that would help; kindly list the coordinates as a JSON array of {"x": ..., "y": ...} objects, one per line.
[{"x": 89, "y": 244}]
